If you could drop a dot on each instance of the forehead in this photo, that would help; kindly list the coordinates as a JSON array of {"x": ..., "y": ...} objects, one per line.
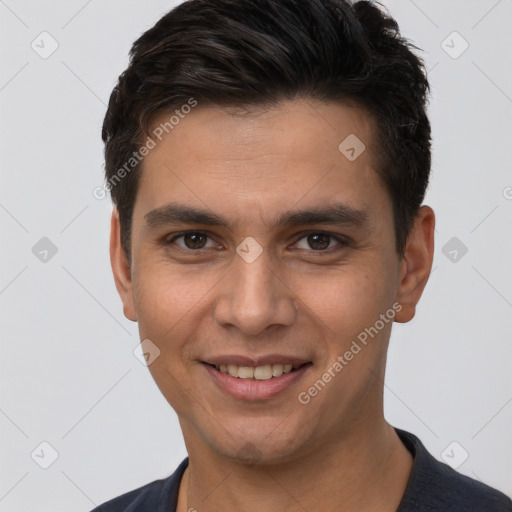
[{"x": 298, "y": 152}]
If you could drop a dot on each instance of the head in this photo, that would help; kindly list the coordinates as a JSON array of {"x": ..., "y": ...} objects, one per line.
[{"x": 289, "y": 140}]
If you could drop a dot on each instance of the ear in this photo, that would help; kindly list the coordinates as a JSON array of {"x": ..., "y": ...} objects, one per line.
[
  {"x": 416, "y": 264},
  {"x": 121, "y": 268}
]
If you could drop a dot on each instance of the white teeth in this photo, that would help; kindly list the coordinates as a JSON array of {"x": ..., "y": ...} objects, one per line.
[
  {"x": 259, "y": 373},
  {"x": 277, "y": 370},
  {"x": 263, "y": 372},
  {"x": 245, "y": 372},
  {"x": 233, "y": 370}
]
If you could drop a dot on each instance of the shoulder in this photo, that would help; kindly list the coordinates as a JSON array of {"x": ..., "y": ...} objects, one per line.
[
  {"x": 434, "y": 486},
  {"x": 159, "y": 495}
]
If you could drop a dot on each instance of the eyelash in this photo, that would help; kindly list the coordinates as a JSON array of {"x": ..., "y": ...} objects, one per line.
[{"x": 342, "y": 241}]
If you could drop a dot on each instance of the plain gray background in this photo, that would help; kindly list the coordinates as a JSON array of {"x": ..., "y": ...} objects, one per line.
[{"x": 69, "y": 375}]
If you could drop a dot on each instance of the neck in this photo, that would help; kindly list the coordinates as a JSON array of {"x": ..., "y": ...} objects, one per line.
[{"x": 364, "y": 471}]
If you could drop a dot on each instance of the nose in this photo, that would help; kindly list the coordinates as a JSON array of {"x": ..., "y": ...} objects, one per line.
[{"x": 253, "y": 297}]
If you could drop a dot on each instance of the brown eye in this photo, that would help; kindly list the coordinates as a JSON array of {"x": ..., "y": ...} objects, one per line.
[
  {"x": 190, "y": 242},
  {"x": 318, "y": 241},
  {"x": 194, "y": 240},
  {"x": 321, "y": 242}
]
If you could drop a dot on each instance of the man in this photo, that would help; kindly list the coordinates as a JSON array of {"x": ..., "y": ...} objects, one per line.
[{"x": 268, "y": 161}]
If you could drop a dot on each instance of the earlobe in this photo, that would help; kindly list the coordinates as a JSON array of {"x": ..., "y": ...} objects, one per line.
[
  {"x": 121, "y": 268},
  {"x": 416, "y": 264}
]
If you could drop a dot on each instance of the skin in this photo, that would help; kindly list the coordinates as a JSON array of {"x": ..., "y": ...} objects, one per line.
[{"x": 276, "y": 454}]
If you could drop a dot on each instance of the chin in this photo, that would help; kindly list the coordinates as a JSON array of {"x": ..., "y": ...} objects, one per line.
[{"x": 260, "y": 448}]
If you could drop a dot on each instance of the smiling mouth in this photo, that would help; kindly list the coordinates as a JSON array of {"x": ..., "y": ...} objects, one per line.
[{"x": 266, "y": 372}]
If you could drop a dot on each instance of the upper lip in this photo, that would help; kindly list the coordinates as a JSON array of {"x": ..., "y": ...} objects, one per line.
[{"x": 255, "y": 361}]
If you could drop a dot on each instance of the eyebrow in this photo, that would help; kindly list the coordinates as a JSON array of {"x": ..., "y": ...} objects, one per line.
[{"x": 175, "y": 213}]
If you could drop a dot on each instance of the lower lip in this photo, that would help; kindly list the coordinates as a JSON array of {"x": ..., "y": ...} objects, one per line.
[{"x": 252, "y": 389}]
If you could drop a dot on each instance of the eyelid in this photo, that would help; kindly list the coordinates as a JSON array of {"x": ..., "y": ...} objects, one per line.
[
  {"x": 342, "y": 240},
  {"x": 170, "y": 239}
]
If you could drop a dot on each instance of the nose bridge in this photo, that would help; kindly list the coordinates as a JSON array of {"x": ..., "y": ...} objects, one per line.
[{"x": 253, "y": 298}]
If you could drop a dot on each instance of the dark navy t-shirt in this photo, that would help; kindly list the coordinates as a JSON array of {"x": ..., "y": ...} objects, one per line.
[{"x": 432, "y": 487}]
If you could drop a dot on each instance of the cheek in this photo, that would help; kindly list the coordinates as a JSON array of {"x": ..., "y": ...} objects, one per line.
[
  {"x": 164, "y": 299},
  {"x": 160, "y": 286},
  {"x": 167, "y": 301},
  {"x": 348, "y": 298}
]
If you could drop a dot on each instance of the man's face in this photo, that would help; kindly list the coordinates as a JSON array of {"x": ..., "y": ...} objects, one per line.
[{"x": 300, "y": 290}]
